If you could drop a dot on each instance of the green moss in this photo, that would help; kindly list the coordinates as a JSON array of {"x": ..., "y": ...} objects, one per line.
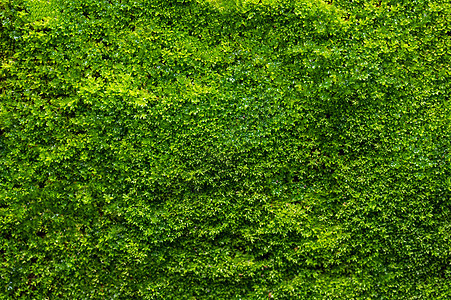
[{"x": 225, "y": 150}]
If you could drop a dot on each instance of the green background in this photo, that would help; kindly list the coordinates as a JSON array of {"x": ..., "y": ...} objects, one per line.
[{"x": 225, "y": 149}]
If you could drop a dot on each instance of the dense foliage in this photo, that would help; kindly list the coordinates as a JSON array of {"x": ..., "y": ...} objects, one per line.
[{"x": 156, "y": 149}]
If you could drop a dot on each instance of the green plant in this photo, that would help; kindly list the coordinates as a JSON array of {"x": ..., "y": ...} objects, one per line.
[{"x": 225, "y": 149}]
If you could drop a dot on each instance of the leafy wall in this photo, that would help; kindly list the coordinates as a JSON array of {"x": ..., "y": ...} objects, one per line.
[{"x": 225, "y": 149}]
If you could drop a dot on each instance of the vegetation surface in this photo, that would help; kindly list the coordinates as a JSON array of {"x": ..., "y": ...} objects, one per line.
[{"x": 156, "y": 149}]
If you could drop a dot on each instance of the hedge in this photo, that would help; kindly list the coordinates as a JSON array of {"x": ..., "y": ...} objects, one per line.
[{"x": 247, "y": 149}]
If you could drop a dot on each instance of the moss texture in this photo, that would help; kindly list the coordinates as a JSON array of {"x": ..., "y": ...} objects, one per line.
[{"x": 225, "y": 149}]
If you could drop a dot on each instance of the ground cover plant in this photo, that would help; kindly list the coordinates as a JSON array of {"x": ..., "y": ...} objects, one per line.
[{"x": 216, "y": 149}]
